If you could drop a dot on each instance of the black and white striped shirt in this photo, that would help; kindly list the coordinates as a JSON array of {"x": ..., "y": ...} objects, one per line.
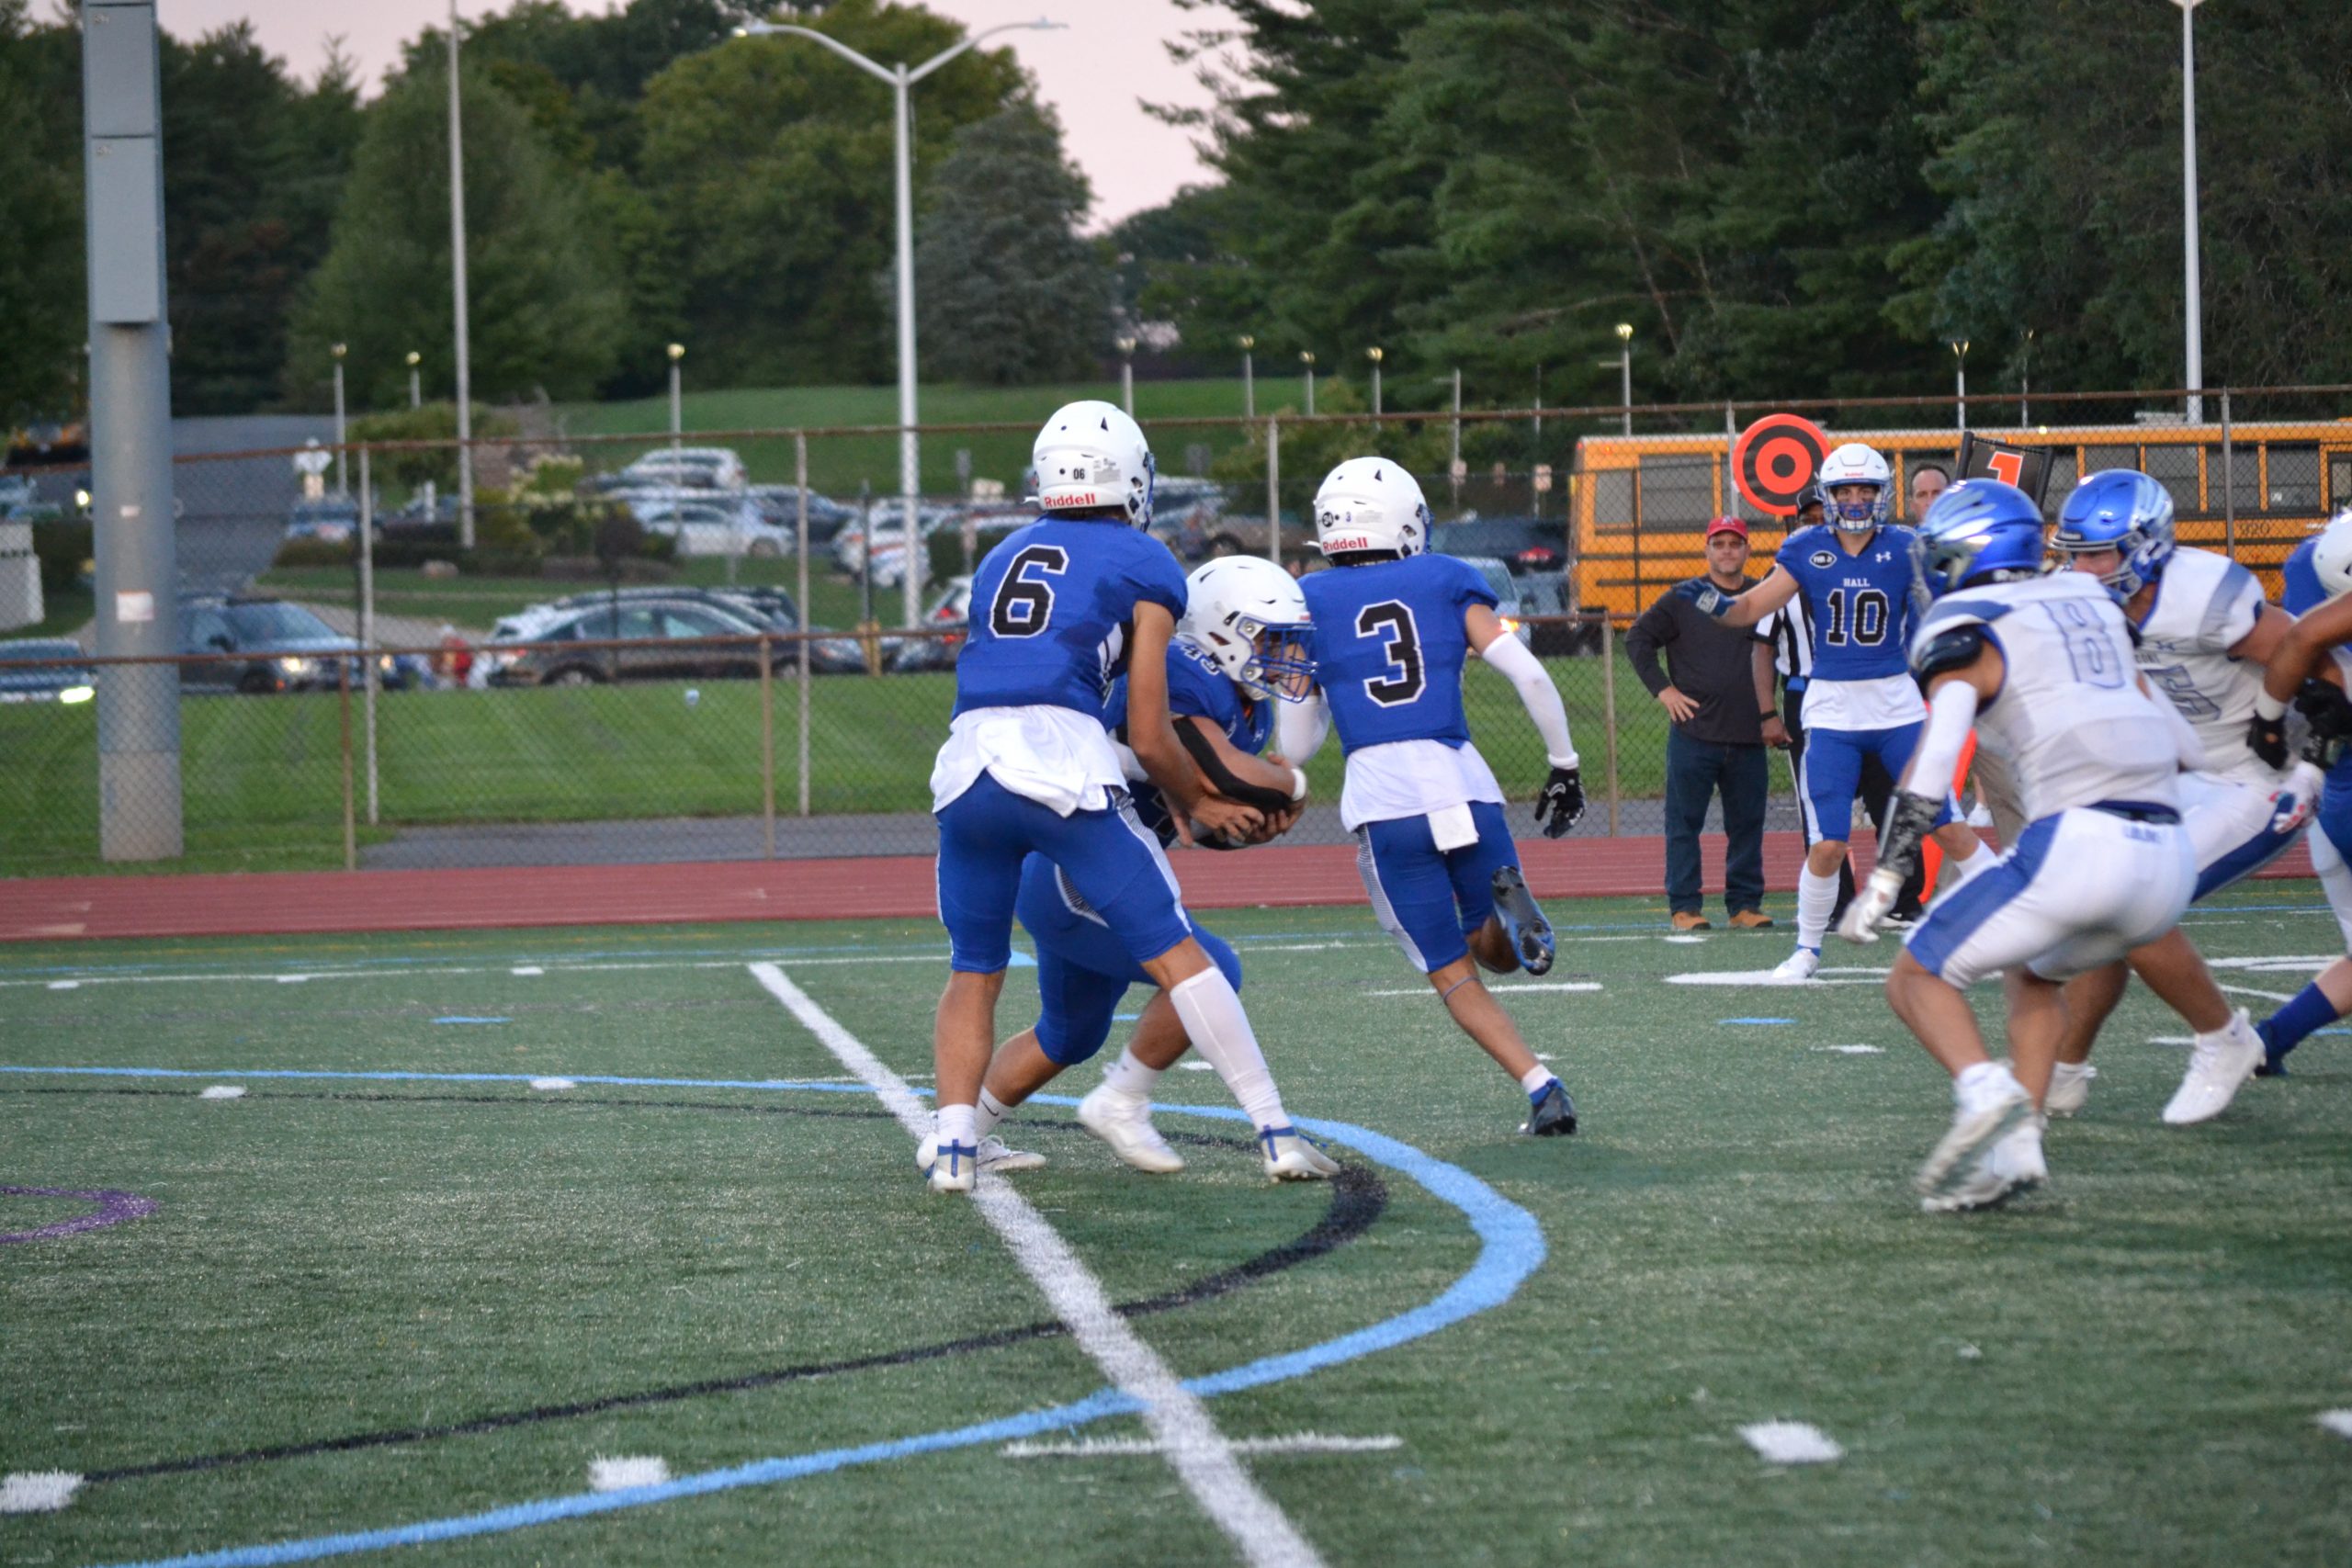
[{"x": 1790, "y": 635}]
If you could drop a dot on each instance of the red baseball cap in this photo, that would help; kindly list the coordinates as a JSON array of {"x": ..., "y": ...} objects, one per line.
[{"x": 1726, "y": 525}]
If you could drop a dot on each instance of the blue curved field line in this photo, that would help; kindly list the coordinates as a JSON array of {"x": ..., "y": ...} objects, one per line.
[{"x": 1511, "y": 1247}]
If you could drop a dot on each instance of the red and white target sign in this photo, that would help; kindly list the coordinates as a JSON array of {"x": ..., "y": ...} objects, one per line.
[{"x": 1775, "y": 459}]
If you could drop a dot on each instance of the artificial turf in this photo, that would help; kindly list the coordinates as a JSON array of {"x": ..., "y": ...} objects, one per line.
[{"x": 2124, "y": 1367}]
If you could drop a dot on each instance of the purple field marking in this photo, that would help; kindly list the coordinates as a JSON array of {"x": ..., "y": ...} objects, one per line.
[{"x": 113, "y": 1209}]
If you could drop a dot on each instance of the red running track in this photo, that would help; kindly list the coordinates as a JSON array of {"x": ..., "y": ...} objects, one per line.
[{"x": 897, "y": 887}]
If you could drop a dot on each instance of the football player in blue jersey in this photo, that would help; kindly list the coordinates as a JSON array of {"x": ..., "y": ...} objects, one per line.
[
  {"x": 1241, "y": 646},
  {"x": 1862, "y": 592},
  {"x": 1059, "y": 609},
  {"x": 1393, "y": 629}
]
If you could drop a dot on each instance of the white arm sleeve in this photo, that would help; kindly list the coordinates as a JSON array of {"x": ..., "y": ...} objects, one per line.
[
  {"x": 1299, "y": 727},
  {"x": 1951, "y": 712},
  {"x": 1509, "y": 656}
]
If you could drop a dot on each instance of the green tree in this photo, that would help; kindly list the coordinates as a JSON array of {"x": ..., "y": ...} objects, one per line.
[
  {"x": 544, "y": 305},
  {"x": 41, "y": 293},
  {"x": 1009, "y": 292}
]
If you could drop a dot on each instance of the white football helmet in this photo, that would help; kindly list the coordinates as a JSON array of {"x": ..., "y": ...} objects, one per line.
[
  {"x": 1371, "y": 503},
  {"x": 1856, "y": 464},
  {"x": 1088, "y": 455},
  {"x": 1249, "y": 614},
  {"x": 2332, "y": 557}
]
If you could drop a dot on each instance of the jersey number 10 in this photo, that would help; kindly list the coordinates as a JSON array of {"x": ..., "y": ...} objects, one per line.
[{"x": 1866, "y": 625}]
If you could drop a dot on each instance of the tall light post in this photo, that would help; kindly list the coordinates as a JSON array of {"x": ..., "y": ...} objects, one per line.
[
  {"x": 415, "y": 381},
  {"x": 1375, "y": 355},
  {"x": 1306, "y": 357},
  {"x": 341, "y": 471},
  {"x": 1249, "y": 379},
  {"x": 2025, "y": 383},
  {"x": 2192, "y": 289},
  {"x": 677, "y": 423},
  {"x": 1960, "y": 380},
  {"x": 1625, "y": 370},
  {"x": 900, "y": 78},
  {"x": 457, "y": 294},
  {"x": 1127, "y": 376}
]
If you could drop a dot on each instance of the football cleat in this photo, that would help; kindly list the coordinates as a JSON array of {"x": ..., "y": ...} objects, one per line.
[
  {"x": 1977, "y": 1124},
  {"x": 949, "y": 1168},
  {"x": 1291, "y": 1155},
  {"x": 1550, "y": 1113},
  {"x": 1798, "y": 965},
  {"x": 1124, "y": 1122},
  {"x": 2070, "y": 1088},
  {"x": 2217, "y": 1065},
  {"x": 2274, "y": 1055},
  {"x": 995, "y": 1155},
  {"x": 2012, "y": 1165},
  {"x": 1530, "y": 933}
]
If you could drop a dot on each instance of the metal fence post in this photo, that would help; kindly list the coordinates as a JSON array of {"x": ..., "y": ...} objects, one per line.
[
  {"x": 767, "y": 750},
  {"x": 2229, "y": 488},
  {"x": 1609, "y": 709},
  {"x": 368, "y": 674},
  {"x": 342, "y": 695},
  {"x": 800, "y": 477},
  {"x": 1273, "y": 492}
]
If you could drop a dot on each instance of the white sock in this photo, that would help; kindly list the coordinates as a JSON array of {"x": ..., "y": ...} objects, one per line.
[
  {"x": 1129, "y": 1076},
  {"x": 1535, "y": 1077},
  {"x": 1963, "y": 872},
  {"x": 1982, "y": 1081},
  {"x": 1816, "y": 896},
  {"x": 955, "y": 1124},
  {"x": 987, "y": 1114},
  {"x": 1220, "y": 1031}
]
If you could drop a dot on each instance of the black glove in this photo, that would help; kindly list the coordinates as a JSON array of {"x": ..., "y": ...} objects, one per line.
[
  {"x": 1562, "y": 800},
  {"x": 2267, "y": 736},
  {"x": 2330, "y": 713}
]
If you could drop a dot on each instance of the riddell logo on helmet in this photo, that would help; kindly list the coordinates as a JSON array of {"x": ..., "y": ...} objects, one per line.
[
  {"x": 1337, "y": 544},
  {"x": 1069, "y": 498}
]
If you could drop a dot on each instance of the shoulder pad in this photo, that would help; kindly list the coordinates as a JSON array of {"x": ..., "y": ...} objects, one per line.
[{"x": 1954, "y": 648}]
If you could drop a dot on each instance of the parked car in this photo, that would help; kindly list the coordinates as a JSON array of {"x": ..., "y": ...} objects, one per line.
[
  {"x": 780, "y": 505},
  {"x": 672, "y": 639},
  {"x": 949, "y": 615},
  {"x": 721, "y": 525},
  {"x": 15, "y": 490},
  {"x": 257, "y": 645},
  {"x": 771, "y": 606},
  {"x": 1534, "y": 551},
  {"x": 695, "y": 468},
  {"x": 63, "y": 678},
  {"x": 334, "y": 519},
  {"x": 749, "y": 611}
]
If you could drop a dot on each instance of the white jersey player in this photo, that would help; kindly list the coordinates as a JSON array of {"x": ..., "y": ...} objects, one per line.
[
  {"x": 2043, "y": 668},
  {"x": 2204, "y": 633}
]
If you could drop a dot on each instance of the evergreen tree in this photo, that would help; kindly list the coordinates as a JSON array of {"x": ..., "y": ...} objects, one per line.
[{"x": 41, "y": 291}]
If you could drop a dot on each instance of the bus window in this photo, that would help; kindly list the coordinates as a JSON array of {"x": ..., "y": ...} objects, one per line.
[
  {"x": 2340, "y": 478},
  {"x": 2175, "y": 468},
  {"x": 2242, "y": 493},
  {"x": 2062, "y": 479},
  {"x": 1612, "y": 498},
  {"x": 1677, "y": 490},
  {"x": 2290, "y": 478},
  {"x": 2099, "y": 459}
]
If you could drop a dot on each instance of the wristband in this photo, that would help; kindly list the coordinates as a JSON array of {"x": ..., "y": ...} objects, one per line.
[
  {"x": 1769, "y": 715},
  {"x": 2268, "y": 708},
  {"x": 1299, "y": 784}
]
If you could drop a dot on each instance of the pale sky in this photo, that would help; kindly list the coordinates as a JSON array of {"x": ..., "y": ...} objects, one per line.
[{"x": 1094, "y": 74}]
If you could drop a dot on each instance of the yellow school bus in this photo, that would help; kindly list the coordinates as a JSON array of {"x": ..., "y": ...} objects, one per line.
[{"x": 1641, "y": 504}]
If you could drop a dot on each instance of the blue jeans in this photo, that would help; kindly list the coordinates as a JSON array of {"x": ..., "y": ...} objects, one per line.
[{"x": 1695, "y": 770}]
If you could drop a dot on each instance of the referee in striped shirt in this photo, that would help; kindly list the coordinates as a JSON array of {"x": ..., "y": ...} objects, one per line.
[{"x": 1784, "y": 648}]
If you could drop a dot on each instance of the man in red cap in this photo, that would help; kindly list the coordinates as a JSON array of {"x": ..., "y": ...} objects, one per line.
[{"x": 1716, "y": 744}]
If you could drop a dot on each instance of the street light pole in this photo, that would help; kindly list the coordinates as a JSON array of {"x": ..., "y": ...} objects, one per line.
[
  {"x": 1306, "y": 357},
  {"x": 341, "y": 471},
  {"x": 458, "y": 292},
  {"x": 2192, "y": 286},
  {"x": 1127, "y": 376},
  {"x": 1249, "y": 379},
  {"x": 415, "y": 383},
  {"x": 2025, "y": 384},
  {"x": 1625, "y": 370},
  {"x": 1374, "y": 356},
  {"x": 1960, "y": 380},
  {"x": 900, "y": 78}
]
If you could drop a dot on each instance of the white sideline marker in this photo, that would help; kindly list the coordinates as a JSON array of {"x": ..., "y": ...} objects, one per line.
[
  {"x": 527, "y": 970},
  {"x": 38, "y": 1491},
  {"x": 1199, "y": 1454},
  {"x": 627, "y": 1472},
  {"x": 1120, "y": 1448},
  {"x": 2336, "y": 1421},
  {"x": 553, "y": 1084},
  {"x": 1853, "y": 1050},
  {"x": 1684, "y": 941},
  {"x": 1792, "y": 1442},
  {"x": 65, "y": 984},
  {"x": 223, "y": 1092},
  {"x": 291, "y": 979},
  {"x": 1194, "y": 1065},
  {"x": 1502, "y": 990}
]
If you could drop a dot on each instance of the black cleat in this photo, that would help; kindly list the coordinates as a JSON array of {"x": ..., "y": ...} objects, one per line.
[
  {"x": 1530, "y": 933},
  {"x": 1551, "y": 1114}
]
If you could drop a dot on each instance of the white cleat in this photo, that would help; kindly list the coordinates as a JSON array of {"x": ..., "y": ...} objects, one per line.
[
  {"x": 2012, "y": 1165},
  {"x": 1798, "y": 965},
  {"x": 2070, "y": 1088},
  {"x": 949, "y": 1168},
  {"x": 1291, "y": 1155},
  {"x": 994, "y": 1156},
  {"x": 1979, "y": 1122},
  {"x": 2217, "y": 1065},
  {"x": 1124, "y": 1122}
]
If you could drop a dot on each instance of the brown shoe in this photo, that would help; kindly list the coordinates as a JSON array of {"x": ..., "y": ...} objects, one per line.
[
  {"x": 1751, "y": 921},
  {"x": 1684, "y": 921}
]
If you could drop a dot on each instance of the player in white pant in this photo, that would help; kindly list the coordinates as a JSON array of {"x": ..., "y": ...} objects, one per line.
[
  {"x": 2041, "y": 667},
  {"x": 2205, "y": 634}
]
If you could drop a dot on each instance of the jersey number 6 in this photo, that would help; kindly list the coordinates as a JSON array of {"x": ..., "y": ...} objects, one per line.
[
  {"x": 1392, "y": 621},
  {"x": 1025, "y": 604}
]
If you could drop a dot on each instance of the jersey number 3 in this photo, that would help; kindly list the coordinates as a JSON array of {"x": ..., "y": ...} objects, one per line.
[
  {"x": 1392, "y": 621},
  {"x": 1024, "y": 603}
]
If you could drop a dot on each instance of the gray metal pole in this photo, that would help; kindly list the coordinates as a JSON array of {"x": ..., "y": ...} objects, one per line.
[
  {"x": 1608, "y": 709},
  {"x": 1249, "y": 388},
  {"x": 910, "y": 448},
  {"x": 1274, "y": 491},
  {"x": 457, "y": 294},
  {"x": 800, "y": 479},
  {"x": 370, "y": 676},
  {"x": 342, "y": 466},
  {"x": 2229, "y": 484},
  {"x": 1453, "y": 454},
  {"x": 130, "y": 434},
  {"x": 2191, "y": 286},
  {"x": 1625, "y": 380}
]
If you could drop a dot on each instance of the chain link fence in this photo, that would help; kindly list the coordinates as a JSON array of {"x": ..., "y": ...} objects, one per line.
[{"x": 701, "y": 650}]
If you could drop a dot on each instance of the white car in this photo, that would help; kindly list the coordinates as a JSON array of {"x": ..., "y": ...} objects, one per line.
[
  {"x": 718, "y": 526},
  {"x": 694, "y": 468}
]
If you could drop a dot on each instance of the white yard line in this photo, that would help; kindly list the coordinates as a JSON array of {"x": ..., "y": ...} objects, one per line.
[
  {"x": 1204, "y": 1461},
  {"x": 1501, "y": 991},
  {"x": 1120, "y": 1448},
  {"x": 408, "y": 973},
  {"x": 2250, "y": 991}
]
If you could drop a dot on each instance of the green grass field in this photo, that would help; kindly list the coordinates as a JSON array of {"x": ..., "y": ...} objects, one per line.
[
  {"x": 263, "y": 780},
  {"x": 369, "y": 1303}
]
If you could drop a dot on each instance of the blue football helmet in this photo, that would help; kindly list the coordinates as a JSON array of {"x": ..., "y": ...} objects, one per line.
[
  {"x": 1978, "y": 530},
  {"x": 2121, "y": 509},
  {"x": 1855, "y": 464}
]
